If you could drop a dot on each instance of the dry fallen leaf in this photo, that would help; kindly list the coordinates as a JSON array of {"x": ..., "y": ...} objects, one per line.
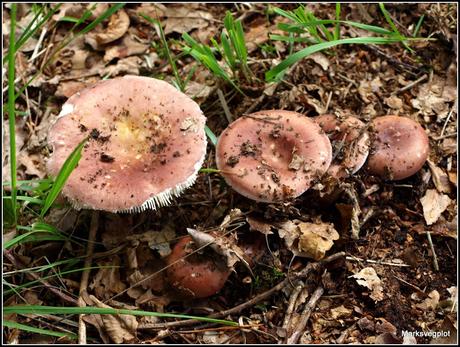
[
  {"x": 185, "y": 18},
  {"x": 434, "y": 204},
  {"x": 126, "y": 48},
  {"x": 121, "y": 328},
  {"x": 440, "y": 178},
  {"x": 107, "y": 282},
  {"x": 117, "y": 27},
  {"x": 310, "y": 240},
  {"x": 431, "y": 302},
  {"x": 367, "y": 277},
  {"x": 340, "y": 312},
  {"x": 320, "y": 59}
]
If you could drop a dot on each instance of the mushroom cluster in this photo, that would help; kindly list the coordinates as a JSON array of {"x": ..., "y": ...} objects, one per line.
[
  {"x": 146, "y": 144},
  {"x": 276, "y": 155}
]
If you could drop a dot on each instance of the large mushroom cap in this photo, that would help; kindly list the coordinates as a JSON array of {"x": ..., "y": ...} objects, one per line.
[
  {"x": 147, "y": 143},
  {"x": 273, "y": 155},
  {"x": 350, "y": 142},
  {"x": 400, "y": 147}
]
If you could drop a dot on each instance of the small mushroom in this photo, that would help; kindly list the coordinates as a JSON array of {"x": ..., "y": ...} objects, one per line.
[
  {"x": 146, "y": 144},
  {"x": 350, "y": 143},
  {"x": 400, "y": 147},
  {"x": 273, "y": 155},
  {"x": 195, "y": 275}
]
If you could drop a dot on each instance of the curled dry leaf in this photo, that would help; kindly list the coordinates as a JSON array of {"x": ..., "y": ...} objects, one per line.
[
  {"x": 121, "y": 328},
  {"x": 320, "y": 59},
  {"x": 118, "y": 25},
  {"x": 431, "y": 302},
  {"x": 107, "y": 282},
  {"x": 259, "y": 225},
  {"x": 306, "y": 239},
  {"x": 223, "y": 245},
  {"x": 434, "y": 204},
  {"x": 126, "y": 48},
  {"x": 368, "y": 278},
  {"x": 440, "y": 178},
  {"x": 128, "y": 66}
]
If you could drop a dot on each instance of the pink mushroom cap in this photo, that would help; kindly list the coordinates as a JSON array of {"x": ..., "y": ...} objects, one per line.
[
  {"x": 400, "y": 147},
  {"x": 349, "y": 139},
  {"x": 146, "y": 144},
  {"x": 273, "y": 155}
]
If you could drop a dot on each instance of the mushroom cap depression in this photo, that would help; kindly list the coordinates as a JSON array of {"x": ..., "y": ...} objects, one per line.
[
  {"x": 400, "y": 147},
  {"x": 349, "y": 140},
  {"x": 273, "y": 155},
  {"x": 146, "y": 144}
]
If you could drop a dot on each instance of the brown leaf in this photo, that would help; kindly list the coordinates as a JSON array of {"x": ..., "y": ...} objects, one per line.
[
  {"x": 121, "y": 328},
  {"x": 184, "y": 18},
  {"x": 431, "y": 302},
  {"x": 259, "y": 225},
  {"x": 440, "y": 178},
  {"x": 126, "y": 48},
  {"x": 107, "y": 281},
  {"x": 367, "y": 277},
  {"x": 117, "y": 27},
  {"x": 434, "y": 204},
  {"x": 305, "y": 239}
]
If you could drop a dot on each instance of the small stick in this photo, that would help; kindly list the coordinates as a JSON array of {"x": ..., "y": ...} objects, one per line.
[
  {"x": 301, "y": 274},
  {"x": 227, "y": 112},
  {"x": 410, "y": 85},
  {"x": 34, "y": 276},
  {"x": 305, "y": 316},
  {"x": 85, "y": 276},
  {"x": 435, "y": 258},
  {"x": 353, "y": 258},
  {"x": 292, "y": 300},
  {"x": 329, "y": 98},
  {"x": 448, "y": 119}
]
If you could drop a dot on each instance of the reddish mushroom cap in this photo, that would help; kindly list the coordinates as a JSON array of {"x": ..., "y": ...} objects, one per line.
[
  {"x": 349, "y": 140},
  {"x": 147, "y": 143},
  {"x": 400, "y": 147},
  {"x": 273, "y": 155},
  {"x": 197, "y": 275}
]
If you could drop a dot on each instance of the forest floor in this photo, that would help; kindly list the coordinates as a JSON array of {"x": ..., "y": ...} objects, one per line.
[{"x": 394, "y": 265}]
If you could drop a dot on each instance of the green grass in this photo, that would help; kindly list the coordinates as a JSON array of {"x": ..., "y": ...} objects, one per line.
[
  {"x": 232, "y": 50},
  {"x": 60, "y": 180},
  {"x": 11, "y": 112},
  {"x": 319, "y": 38},
  {"x": 34, "y": 309},
  {"x": 19, "y": 326}
]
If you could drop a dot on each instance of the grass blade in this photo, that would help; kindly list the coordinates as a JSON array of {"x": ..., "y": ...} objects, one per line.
[
  {"x": 211, "y": 136},
  {"x": 419, "y": 24},
  {"x": 275, "y": 72},
  {"x": 69, "y": 165},
  {"x": 11, "y": 110},
  {"x": 337, "y": 25},
  {"x": 15, "y": 325},
  {"x": 35, "y": 309}
]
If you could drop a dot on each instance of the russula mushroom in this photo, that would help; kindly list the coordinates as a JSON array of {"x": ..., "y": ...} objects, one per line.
[
  {"x": 146, "y": 144},
  {"x": 350, "y": 143},
  {"x": 273, "y": 155},
  {"x": 194, "y": 275},
  {"x": 400, "y": 147}
]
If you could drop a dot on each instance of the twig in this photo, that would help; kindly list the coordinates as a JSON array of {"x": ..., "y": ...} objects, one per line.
[
  {"x": 34, "y": 276},
  {"x": 353, "y": 258},
  {"x": 448, "y": 119},
  {"x": 435, "y": 258},
  {"x": 409, "y": 284},
  {"x": 329, "y": 98},
  {"x": 305, "y": 316},
  {"x": 301, "y": 274},
  {"x": 227, "y": 112},
  {"x": 85, "y": 276},
  {"x": 410, "y": 85},
  {"x": 292, "y": 300}
]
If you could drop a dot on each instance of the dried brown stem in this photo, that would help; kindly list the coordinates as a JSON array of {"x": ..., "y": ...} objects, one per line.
[
  {"x": 85, "y": 276},
  {"x": 305, "y": 316}
]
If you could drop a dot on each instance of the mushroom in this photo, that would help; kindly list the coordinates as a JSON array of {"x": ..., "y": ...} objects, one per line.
[
  {"x": 194, "y": 275},
  {"x": 146, "y": 144},
  {"x": 400, "y": 147},
  {"x": 273, "y": 155},
  {"x": 350, "y": 142}
]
